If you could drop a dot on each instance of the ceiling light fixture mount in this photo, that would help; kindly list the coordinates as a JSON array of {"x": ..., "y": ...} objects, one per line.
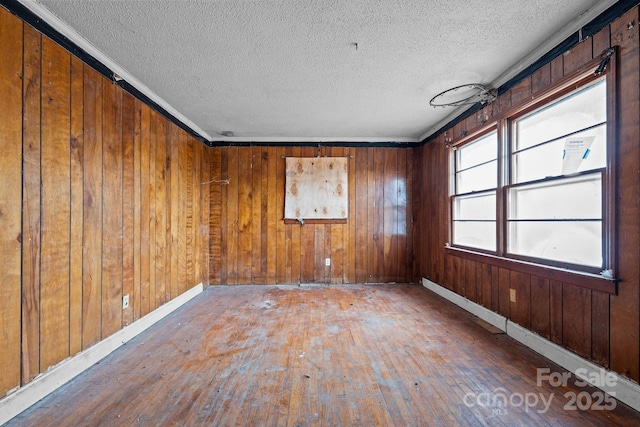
[{"x": 467, "y": 94}]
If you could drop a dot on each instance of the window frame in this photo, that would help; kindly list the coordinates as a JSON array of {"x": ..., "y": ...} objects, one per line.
[
  {"x": 453, "y": 184},
  {"x": 602, "y": 279}
]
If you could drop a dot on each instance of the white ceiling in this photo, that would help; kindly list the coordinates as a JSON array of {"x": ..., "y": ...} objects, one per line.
[{"x": 290, "y": 70}]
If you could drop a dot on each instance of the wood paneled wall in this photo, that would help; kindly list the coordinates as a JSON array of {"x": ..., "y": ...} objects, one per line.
[
  {"x": 100, "y": 197},
  {"x": 595, "y": 325},
  {"x": 250, "y": 243}
]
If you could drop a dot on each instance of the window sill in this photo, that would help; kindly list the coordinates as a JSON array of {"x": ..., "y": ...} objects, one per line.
[{"x": 586, "y": 280}]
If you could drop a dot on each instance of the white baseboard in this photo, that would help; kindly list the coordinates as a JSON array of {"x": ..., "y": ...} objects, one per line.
[
  {"x": 623, "y": 389},
  {"x": 483, "y": 313},
  {"x": 65, "y": 371}
]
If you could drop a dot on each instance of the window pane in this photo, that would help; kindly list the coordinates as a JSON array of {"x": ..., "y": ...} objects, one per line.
[
  {"x": 479, "y": 151},
  {"x": 571, "y": 198},
  {"x": 585, "y": 108},
  {"x": 547, "y": 160},
  {"x": 474, "y": 215},
  {"x": 572, "y": 242},
  {"x": 481, "y": 177},
  {"x": 478, "y": 207},
  {"x": 481, "y": 235}
]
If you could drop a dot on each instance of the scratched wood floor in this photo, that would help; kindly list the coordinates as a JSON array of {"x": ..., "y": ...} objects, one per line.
[{"x": 379, "y": 355}]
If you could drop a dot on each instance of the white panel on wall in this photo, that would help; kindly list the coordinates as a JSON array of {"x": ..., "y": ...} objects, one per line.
[{"x": 316, "y": 188}]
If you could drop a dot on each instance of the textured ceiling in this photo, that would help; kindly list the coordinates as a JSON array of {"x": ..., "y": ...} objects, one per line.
[{"x": 296, "y": 70}]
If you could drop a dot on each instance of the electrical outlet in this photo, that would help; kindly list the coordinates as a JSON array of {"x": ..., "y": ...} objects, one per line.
[
  {"x": 512, "y": 295},
  {"x": 125, "y": 301},
  {"x": 327, "y": 261}
]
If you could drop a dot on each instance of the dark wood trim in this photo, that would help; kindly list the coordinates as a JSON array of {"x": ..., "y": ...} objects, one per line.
[
  {"x": 569, "y": 83},
  {"x": 565, "y": 266},
  {"x": 585, "y": 280},
  {"x": 491, "y": 126},
  {"x": 504, "y": 173},
  {"x": 609, "y": 226},
  {"x": 339, "y": 144}
]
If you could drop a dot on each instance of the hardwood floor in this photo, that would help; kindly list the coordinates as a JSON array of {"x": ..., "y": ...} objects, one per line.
[{"x": 355, "y": 355}]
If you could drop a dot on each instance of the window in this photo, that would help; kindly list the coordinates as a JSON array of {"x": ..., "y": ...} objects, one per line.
[
  {"x": 558, "y": 163},
  {"x": 474, "y": 200},
  {"x": 536, "y": 185}
]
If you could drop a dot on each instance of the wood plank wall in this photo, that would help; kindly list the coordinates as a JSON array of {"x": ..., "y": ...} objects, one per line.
[
  {"x": 250, "y": 243},
  {"x": 597, "y": 326},
  {"x": 99, "y": 197}
]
